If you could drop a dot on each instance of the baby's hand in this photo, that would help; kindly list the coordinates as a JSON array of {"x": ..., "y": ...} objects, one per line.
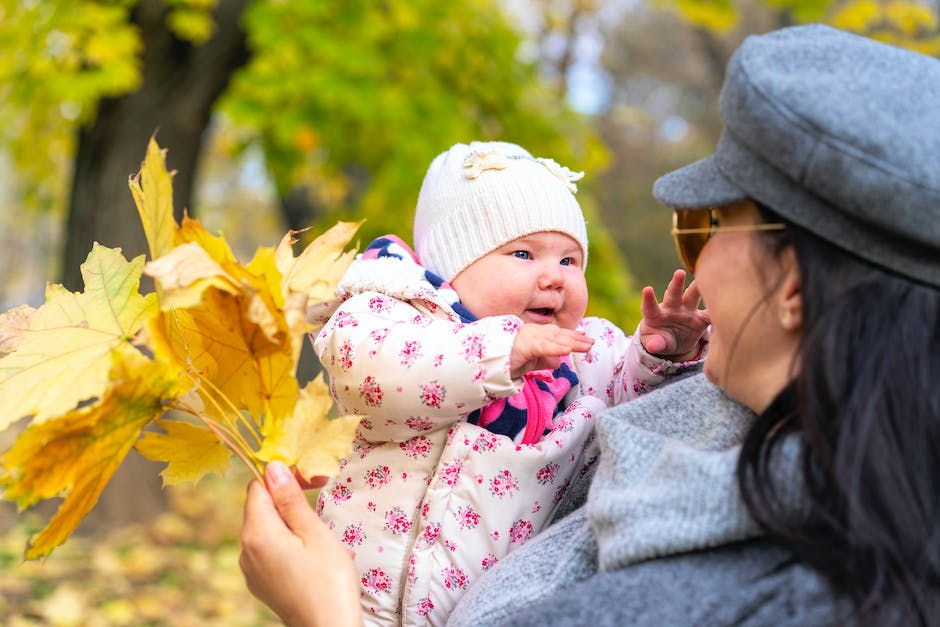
[
  {"x": 541, "y": 347},
  {"x": 673, "y": 329}
]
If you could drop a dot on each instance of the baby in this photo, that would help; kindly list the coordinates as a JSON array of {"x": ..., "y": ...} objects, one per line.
[{"x": 477, "y": 376}]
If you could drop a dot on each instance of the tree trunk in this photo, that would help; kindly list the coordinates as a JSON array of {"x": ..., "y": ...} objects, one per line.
[
  {"x": 181, "y": 82},
  {"x": 180, "y": 85}
]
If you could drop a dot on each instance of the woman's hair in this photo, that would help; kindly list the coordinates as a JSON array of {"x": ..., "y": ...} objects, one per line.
[{"x": 865, "y": 408}]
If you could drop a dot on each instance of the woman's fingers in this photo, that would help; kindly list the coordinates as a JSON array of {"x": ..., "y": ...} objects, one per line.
[{"x": 289, "y": 499}]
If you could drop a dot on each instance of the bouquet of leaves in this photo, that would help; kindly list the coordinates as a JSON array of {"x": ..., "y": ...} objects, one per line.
[{"x": 201, "y": 369}]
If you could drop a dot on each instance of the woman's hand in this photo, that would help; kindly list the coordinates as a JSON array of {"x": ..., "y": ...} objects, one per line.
[
  {"x": 292, "y": 562},
  {"x": 673, "y": 329}
]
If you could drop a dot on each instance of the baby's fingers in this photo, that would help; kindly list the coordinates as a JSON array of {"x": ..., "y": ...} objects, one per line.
[
  {"x": 692, "y": 297},
  {"x": 579, "y": 342},
  {"x": 649, "y": 306},
  {"x": 565, "y": 342},
  {"x": 673, "y": 297}
]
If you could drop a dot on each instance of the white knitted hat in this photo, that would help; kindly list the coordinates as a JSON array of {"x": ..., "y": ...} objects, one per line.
[{"x": 476, "y": 198}]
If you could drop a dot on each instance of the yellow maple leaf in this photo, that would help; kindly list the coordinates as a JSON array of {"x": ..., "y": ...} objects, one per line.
[
  {"x": 12, "y": 325},
  {"x": 223, "y": 343},
  {"x": 184, "y": 273},
  {"x": 190, "y": 451},
  {"x": 319, "y": 267},
  {"x": 191, "y": 230},
  {"x": 310, "y": 278},
  {"x": 222, "y": 322},
  {"x": 152, "y": 189},
  {"x": 65, "y": 355},
  {"x": 224, "y": 338},
  {"x": 308, "y": 438},
  {"x": 74, "y": 455},
  {"x": 238, "y": 329}
]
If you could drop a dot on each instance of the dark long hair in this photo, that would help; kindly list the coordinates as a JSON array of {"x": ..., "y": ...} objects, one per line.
[{"x": 865, "y": 406}]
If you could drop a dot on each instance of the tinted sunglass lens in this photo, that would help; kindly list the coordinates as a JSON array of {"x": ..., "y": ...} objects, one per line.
[{"x": 689, "y": 245}]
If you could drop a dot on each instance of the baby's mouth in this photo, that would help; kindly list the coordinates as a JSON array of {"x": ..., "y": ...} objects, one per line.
[{"x": 543, "y": 311}]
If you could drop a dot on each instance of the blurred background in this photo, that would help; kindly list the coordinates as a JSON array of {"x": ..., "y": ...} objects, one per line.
[{"x": 281, "y": 114}]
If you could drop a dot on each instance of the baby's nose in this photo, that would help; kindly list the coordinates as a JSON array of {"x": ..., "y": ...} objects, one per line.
[{"x": 551, "y": 276}]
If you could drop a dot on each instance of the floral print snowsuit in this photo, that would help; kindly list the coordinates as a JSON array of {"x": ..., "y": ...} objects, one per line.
[{"x": 428, "y": 501}]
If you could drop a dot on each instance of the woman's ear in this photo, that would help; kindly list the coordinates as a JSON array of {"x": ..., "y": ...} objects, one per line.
[{"x": 789, "y": 295}]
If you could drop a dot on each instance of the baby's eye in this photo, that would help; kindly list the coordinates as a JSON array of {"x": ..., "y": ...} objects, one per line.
[
  {"x": 521, "y": 254},
  {"x": 567, "y": 261}
]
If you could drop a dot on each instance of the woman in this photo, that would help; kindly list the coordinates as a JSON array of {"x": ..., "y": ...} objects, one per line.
[{"x": 814, "y": 234}]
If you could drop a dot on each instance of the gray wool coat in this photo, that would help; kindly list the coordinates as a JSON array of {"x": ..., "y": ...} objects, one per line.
[{"x": 659, "y": 535}]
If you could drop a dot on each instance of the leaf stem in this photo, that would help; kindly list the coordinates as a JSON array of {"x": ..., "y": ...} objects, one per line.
[
  {"x": 240, "y": 448},
  {"x": 230, "y": 426},
  {"x": 248, "y": 424},
  {"x": 217, "y": 394}
]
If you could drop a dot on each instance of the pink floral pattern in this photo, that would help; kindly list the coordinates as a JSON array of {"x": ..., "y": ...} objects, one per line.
[
  {"x": 454, "y": 578},
  {"x": 431, "y": 532},
  {"x": 419, "y": 423},
  {"x": 450, "y": 471},
  {"x": 416, "y": 447},
  {"x": 420, "y": 478},
  {"x": 362, "y": 448},
  {"x": 563, "y": 423},
  {"x": 345, "y": 355},
  {"x": 520, "y": 531},
  {"x": 546, "y": 474},
  {"x": 409, "y": 353},
  {"x": 378, "y": 477},
  {"x": 379, "y": 305},
  {"x": 397, "y": 521},
  {"x": 511, "y": 325},
  {"x": 339, "y": 493},
  {"x": 433, "y": 394},
  {"x": 378, "y": 336},
  {"x": 504, "y": 484},
  {"x": 376, "y": 581},
  {"x": 560, "y": 492},
  {"x": 371, "y": 392},
  {"x": 473, "y": 348},
  {"x": 486, "y": 442},
  {"x": 344, "y": 319},
  {"x": 353, "y": 535},
  {"x": 425, "y": 606},
  {"x": 467, "y": 517}
]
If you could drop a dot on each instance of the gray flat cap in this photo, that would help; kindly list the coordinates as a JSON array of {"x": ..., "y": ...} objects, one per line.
[{"x": 835, "y": 132}]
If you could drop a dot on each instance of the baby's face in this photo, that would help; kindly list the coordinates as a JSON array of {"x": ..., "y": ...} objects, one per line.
[{"x": 538, "y": 277}]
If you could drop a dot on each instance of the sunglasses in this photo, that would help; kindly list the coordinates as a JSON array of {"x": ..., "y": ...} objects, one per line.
[{"x": 692, "y": 228}]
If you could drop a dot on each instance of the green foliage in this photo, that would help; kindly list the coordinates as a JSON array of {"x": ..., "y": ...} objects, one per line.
[
  {"x": 715, "y": 15},
  {"x": 907, "y": 23},
  {"x": 803, "y": 10},
  {"x": 191, "y": 20},
  {"x": 613, "y": 293},
  {"x": 375, "y": 92},
  {"x": 366, "y": 96},
  {"x": 350, "y": 100},
  {"x": 59, "y": 59},
  {"x": 900, "y": 22}
]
